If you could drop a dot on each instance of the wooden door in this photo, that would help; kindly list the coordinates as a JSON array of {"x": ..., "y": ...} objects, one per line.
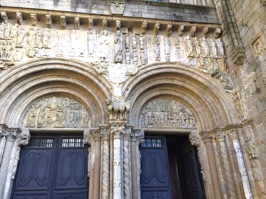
[
  {"x": 154, "y": 177},
  {"x": 53, "y": 167},
  {"x": 193, "y": 175}
]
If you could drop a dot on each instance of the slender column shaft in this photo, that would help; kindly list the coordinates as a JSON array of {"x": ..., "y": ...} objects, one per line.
[
  {"x": 216, "y": 187},
  {"x": 134, "y": 169},
  {"x": 105, "y": 164},
  {"x": 241, "y": 165},
  {"x": 126, "y": 165},
  {"x": 227, "y": 167},
  {"x": 221, "y": 177}
]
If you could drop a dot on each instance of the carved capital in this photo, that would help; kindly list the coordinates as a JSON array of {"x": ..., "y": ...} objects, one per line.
[
  {"x": 206, "y": 139},
  {"x": 23, "y": 137},
  {"x": 136, "y": 135},
  {"x": 117, "y": 108},
  {"x": 233, "y": 134},
  {"x": 128, "y": 131},
  {"x": 96, "y": 134},
  {"x": 194, "y": 138},
  {"x": 104, "y": 131},
  {"x": 11, "y": 134},
  {"x": 220, "y": 136},
  {"x": 117, "y": 131},
  {"x": 117, "y": 7},
  {"x": 86, "y": 137}
]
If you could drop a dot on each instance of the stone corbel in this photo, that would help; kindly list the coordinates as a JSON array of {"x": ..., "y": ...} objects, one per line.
[
  {"x": 4, "y": 17},
  {"x": 192, "y": 31},
  {"x": 168, "y": 30},
  {"x": 104, "y": 24},
  {"x": 144, "y": 26},
  {"x": 63, "y": 22},
  {"x": 34, "y": 19},
  {"x": 48, "y": 19},
  {"x": 19, "y": 18},
  {"x": 217, "y": 32},
  {"x": 77, "y": 23},
  {"x": 90, "y": 23},
  {"x": 205, "y": 30},
  {"x": 180, "y": 30}
]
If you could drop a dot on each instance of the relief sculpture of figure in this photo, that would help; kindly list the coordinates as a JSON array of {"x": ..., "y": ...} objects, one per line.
[
  {"x": 220, "y": 47},
  {"x": 205, "y": 48},
  {"x": 8, "y": 51},
  {"x": 45, "y": 38},
  {"x": 213, "y": 48},
  {"x": 189, "y": 47},
  {"x": 14, "y": 31},
  {"x": 104, "y": 44},
  {"x": 20, "y": 38},
  {"x": 118, "y": 47}
]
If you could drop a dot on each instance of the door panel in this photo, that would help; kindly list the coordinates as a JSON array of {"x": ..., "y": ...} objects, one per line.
[
  {"x": 194, "y": 184},
  {"x": 154, "y": 178},
  {"x": 52, "y": 167}
]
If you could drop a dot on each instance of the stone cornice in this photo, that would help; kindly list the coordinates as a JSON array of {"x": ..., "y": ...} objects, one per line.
[{"x": 72, "y": 20}]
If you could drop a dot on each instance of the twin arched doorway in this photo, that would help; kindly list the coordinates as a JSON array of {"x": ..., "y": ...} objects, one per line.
[{"x": 166, "y": 98}]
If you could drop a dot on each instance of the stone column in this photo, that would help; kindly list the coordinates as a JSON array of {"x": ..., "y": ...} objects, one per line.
[
  {"x": 134, "y": 166},
  {"x": 216, "y": 188},
  {"x": 127, "y": 163},
  {"x": 218, "y": 161},
  {"x": 105, "y": 188},
  {"x": 2, "y": 142},
  {"x": 226, "y": 165},
  {"x": 117, "y": 131},
  {"x": 11, "y": 135},
  {"x": 196, "y": 141},
  {"x": 241, "y": 164},
  {"x": 22, "y": 140},
  {"x": 95, "y": 157}
]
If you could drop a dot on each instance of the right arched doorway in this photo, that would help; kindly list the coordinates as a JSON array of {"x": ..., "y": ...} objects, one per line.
[{"x": 170, "y": 168}]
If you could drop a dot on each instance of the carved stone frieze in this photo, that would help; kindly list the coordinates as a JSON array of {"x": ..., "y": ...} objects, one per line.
[
  {"x": 166, "y": 112},
  {"x": 115, "y": 52},
  {"x": 57, "y": 112}
]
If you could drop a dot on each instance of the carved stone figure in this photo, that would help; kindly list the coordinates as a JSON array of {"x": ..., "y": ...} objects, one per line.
[
  {"x": 220, "y": 47},
  {"x": 104, "y": 41},
  {"x": 205, "y": 48},
  {"x": 189, "y": 46},
  {"x": 14, "y": 31},
  {"x": 166, "y": 112},
  {"x": 118, "y": 47},
  {"x": 213, "y": 48},
  {"x": 20, "y": 38},
  {"x": 57, "y": 112}
]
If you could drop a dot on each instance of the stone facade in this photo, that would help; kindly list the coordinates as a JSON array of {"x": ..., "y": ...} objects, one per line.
[{"x": 117, "y": 70}]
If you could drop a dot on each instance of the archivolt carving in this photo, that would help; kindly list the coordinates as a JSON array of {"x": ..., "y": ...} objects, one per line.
[
  {"x": 167, "y": 112},
  {"x": 57, "y": 112}
]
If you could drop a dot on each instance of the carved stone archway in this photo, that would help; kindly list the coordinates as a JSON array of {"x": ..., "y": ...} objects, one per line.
[{"x": 214, "y": 110}]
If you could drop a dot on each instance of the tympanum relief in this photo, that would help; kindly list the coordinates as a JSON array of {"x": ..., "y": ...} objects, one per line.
[
  {"x": 113, "y": 51},
  {"x": 166, "y": 112},
  {"x": 57, "y": 112}
]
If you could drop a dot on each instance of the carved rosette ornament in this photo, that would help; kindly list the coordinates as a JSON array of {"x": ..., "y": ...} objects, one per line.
[{"x": 166, "y": 113}]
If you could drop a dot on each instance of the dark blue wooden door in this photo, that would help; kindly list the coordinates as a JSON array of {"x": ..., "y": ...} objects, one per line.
[
  {"x": 154, "y": 179},
  {"x": 53, "y": 167}
]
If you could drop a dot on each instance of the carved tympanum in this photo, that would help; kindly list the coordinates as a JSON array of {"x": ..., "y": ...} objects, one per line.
[
  {"x": 57, "y": 112},
  {"x": 167, "y": 112}
]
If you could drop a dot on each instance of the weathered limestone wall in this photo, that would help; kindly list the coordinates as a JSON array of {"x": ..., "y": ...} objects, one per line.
[
  {"x": 245, "y": 42},
  {"x": 193, "y": 11}
]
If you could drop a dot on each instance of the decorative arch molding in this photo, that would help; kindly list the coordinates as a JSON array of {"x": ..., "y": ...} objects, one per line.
[
  {"x": 205, "y": 96},
  {"x": 23, "y": 84}
]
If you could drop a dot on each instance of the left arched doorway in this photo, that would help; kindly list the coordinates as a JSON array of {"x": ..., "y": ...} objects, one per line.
[{"x": 52, "y": 165}]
